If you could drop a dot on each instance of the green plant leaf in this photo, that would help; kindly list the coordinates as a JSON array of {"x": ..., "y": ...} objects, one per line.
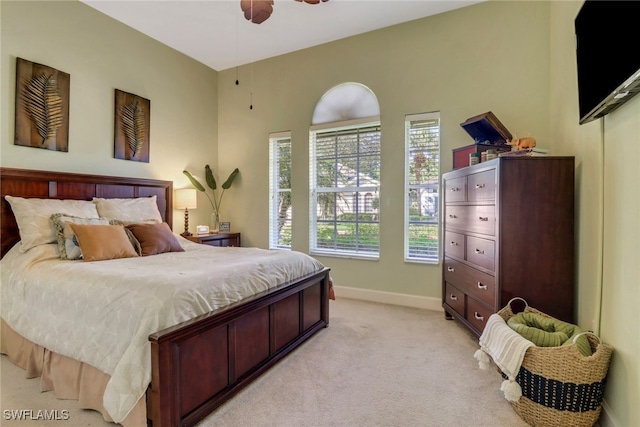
[
  {"x": 229, "y": 180},
  {"x": 211, "y": 181},
  {"x": 194, "y": 181}
]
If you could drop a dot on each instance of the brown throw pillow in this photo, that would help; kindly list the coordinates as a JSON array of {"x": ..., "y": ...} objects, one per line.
[
  {"x": 155, "y": 238},
  {"x": 102, "y": 242}
]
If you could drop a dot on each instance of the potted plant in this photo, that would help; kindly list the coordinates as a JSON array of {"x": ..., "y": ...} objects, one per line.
[{"x": 213, "y": 198}]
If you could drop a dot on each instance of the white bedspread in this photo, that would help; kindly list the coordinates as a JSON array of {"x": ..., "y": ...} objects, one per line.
[{"x": 102, "y": 313}]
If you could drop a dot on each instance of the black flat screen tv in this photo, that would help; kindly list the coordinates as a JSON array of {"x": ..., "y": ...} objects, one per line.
[{"x": 608, "y": 56}]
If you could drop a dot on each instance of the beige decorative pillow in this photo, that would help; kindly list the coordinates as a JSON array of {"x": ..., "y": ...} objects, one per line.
[
  {"x": 142, "y": 209},
  {"x": 155, "y": 238},
  {"x": 32, "y": 216},
  {"x": 67, "y": 242},
  {"x": 102, "y": 242}
]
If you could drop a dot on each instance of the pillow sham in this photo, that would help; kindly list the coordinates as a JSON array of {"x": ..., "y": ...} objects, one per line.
[
  {"x": 141, "y": 209},
  {"x": 155, "y": 238},
  {"x": 103, "y": 242},
  {"x": 68, "y": 245},
  {"x": 32, "y": 216}
]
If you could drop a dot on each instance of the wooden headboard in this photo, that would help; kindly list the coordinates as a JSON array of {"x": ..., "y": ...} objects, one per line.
[{"x": 62, "y": 185}]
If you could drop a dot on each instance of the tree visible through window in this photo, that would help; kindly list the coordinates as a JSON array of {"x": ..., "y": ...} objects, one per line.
[
  {"x": 280, "y": 210},
  {"x": 422, "y": 177},
  {"x": 345, "y": 186}
]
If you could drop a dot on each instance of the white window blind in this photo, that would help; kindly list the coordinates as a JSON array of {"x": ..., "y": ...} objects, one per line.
[
  {"x": 422, "y": 178},
  {"x": 280, "y": 209},
  {"x": 345, "y": 187}
]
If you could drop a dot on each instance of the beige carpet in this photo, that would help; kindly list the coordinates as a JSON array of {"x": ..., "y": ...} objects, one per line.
[{"x": 376, "y": 365}]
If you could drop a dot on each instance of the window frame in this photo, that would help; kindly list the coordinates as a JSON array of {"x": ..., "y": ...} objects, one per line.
[
  {"x": 275, "y": 141},
  {"x": 361, "y": 191},
  {"x": 409, "y": 255}
]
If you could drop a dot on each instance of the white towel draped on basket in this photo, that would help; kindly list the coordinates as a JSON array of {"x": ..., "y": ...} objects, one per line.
[{"x": 507, "y": 349}]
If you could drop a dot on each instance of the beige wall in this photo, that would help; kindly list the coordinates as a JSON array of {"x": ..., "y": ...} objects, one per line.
[
  {"x": 513, "y": 58},
  {"x": 486, "y": 57},
  {"x": 102, "y": 55},
  {"x": 608, "y": 210}
]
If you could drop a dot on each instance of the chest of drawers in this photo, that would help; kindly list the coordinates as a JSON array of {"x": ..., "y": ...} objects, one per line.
[{"x": 508, "y": 231}]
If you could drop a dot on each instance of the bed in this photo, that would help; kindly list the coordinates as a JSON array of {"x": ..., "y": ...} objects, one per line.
[{"x": 213, "y": 347}]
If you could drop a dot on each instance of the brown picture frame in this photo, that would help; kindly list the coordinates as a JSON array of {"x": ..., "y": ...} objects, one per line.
[
  {"x": 42, "y": 106},
  {"x": 132, "y": 120}
]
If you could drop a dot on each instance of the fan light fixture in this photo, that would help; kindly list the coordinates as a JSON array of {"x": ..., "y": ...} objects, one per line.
[{"x": 258, "y": 11}]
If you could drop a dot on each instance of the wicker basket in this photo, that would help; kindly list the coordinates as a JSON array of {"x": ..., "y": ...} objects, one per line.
[{"x": 560, "y": 386}]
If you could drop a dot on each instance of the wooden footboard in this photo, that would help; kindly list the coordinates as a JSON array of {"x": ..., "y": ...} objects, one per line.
[{"x": 199, "y": 364}]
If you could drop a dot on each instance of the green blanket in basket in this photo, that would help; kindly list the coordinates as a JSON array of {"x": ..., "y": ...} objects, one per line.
[{"x": 546, "y": 331}]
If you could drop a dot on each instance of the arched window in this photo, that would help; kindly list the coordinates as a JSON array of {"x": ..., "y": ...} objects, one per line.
[{"x": 344, "y": 162}]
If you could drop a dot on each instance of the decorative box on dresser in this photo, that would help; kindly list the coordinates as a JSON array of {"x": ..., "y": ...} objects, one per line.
[
  {"x": 219, "y": 239},
  {"x": 509, "y": 232}
]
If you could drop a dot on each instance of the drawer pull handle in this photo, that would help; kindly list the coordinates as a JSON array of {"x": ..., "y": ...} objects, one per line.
[
  {"x": 451, "y": 269},
  {"x": 479, "y": 185},
  {"x": 481, "y": 286},
  {"x": 483, "y": 218},
  {"x": 453, "y": 297},
  {"x": 453, "y": 189},
  {"x": 452, "y": 216},
  {"x": 478, "y": 317},
  {"x": 480, "y": 251},
  {"x": 453, "y": 244}
]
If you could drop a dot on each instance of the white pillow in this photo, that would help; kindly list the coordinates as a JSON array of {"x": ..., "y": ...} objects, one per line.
[
  {"x": 129, "y": 211},
  {"x": 32, "y": 216}
]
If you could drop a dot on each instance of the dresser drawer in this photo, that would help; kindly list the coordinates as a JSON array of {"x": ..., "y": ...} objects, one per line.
[
  {"x": 480, "y": 252},
  {"x": 481, "y": 186},
  {"x": 478, "y": 219},
  {"x": 474, "y": 282},
  {"x": 454, "y": 190},
  {"x": 454, "y": 298},
  {"x": 477, "y": 314},
  {"x": 454, "y": 244}
]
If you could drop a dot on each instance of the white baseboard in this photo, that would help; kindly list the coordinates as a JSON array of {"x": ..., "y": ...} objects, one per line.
[{"x": 415, "y": 301}]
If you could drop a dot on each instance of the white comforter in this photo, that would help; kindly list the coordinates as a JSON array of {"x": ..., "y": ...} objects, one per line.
[{"x": 102, "y": 313}]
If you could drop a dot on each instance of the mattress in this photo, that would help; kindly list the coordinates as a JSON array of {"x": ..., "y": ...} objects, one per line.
[{"x": 102, "y": 313}]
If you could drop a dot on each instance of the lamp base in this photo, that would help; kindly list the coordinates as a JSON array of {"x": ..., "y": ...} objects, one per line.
[{"x": 186, "y": 224}]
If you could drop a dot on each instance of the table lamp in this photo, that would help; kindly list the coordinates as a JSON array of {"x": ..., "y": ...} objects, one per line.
[{"x": 186, "y": 199}]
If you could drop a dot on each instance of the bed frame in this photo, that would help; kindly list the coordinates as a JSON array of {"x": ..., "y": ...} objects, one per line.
[{"x": 201, "y": 363}]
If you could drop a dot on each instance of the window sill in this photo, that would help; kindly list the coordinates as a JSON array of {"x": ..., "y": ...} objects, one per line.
[{"x": 332, "y": 254}]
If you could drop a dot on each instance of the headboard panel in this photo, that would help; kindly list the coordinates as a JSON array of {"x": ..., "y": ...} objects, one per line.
[{"x": 62, "y": 185}]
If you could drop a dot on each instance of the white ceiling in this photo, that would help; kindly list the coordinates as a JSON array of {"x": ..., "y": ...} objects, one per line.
[{"x": 216, "y": 33}]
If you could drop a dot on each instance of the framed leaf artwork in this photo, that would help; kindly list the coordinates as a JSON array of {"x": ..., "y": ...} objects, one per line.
[
  {"x": 132, "y": 119},
  {"x": 42, "y": 106}
]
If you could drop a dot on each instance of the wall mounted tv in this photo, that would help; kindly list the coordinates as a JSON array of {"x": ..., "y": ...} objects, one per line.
[{"x": 608, "y": 56}]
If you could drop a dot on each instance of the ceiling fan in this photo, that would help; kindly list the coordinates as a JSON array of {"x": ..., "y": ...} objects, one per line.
[{"x": 258, "y": 11}]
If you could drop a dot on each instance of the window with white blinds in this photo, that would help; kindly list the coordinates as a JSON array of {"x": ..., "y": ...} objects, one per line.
[
  {"x": 422, "y": 178},
  {"x": 345, "y": 189},
  {"x": 280, "y": 209}
]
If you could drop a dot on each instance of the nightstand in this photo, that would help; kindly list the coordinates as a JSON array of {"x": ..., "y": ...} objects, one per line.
[{"x": 220, "y": 239}]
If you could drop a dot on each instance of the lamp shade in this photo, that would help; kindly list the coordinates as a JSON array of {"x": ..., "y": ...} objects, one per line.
[{"x": 186, "y": 199}]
